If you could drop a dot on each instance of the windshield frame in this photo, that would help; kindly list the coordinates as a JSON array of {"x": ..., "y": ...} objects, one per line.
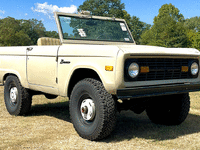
[{"x": 89, "y": 41}]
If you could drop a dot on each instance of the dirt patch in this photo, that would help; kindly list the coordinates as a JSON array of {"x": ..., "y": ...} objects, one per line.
[{"x": 48, "y": 126}]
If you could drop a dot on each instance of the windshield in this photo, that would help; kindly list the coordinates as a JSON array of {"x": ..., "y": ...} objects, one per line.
[{"x": 93, "y": 29}]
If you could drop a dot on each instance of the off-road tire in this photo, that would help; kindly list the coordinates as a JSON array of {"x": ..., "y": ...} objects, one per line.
[
  {"x": 105, "y": 117},
  {"x": 169, "y": 110},
  {"x": 23, "y": 100}
]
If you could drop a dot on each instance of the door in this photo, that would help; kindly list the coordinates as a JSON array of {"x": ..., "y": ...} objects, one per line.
[{"x": 42, "y": 65}]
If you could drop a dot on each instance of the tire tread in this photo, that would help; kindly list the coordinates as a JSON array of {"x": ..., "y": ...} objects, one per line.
[
  {"x": 107, "y": 104},
  {"x": 26, "y": 99}
]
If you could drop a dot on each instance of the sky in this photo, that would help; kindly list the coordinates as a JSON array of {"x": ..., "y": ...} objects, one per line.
[{"x": 43, "y": 10}]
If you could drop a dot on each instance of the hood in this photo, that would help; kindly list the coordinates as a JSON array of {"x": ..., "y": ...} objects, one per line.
[{"x": 155, "y": 50}]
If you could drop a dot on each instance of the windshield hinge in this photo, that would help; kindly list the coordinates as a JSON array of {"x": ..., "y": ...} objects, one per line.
[
  {"x": 84, "y": 12},
  {"x": 113, "y": 18}
]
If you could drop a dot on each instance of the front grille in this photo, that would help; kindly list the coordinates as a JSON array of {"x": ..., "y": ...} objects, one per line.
[{"x": 161, "y": 69}]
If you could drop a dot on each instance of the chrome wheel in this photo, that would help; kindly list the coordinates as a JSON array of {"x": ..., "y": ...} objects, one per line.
[
  {"x": 87, "y": 109},
  {"x": 13, "y": 95}
]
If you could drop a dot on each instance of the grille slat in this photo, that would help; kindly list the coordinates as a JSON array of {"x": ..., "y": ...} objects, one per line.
[{"x": 162, "y": 69}]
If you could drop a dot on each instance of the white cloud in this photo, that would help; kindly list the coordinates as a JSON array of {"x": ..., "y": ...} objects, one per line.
[
  {"x": 2, "y": 11},
  {"x": 26, "y": 14},
  {"x": 49, "y": 9}
]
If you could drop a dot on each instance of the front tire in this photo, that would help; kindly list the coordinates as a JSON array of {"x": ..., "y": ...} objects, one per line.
[
  {"x": 17, "y": 98},
  {"x": 169, "y": 109},
  {"x": 92, "y": 110}
]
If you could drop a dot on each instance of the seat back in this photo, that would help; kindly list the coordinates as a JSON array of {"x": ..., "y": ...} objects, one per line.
[{"x": 48, "y": 41}]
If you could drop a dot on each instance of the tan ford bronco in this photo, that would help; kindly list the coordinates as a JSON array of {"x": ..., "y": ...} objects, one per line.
[{"x": 97, "y": 64}]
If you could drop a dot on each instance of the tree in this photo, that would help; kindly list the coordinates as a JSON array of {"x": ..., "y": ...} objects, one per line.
[
  {"x": 52, "y": 34},
  {"x": 11, "y": 33},
  {"x": 114, "y": 8},
  {"x": 193, "y": 33},
  {"x": 196, "y": 43},
  {"x": 34, "y": 28},
  {"x": 193, "y": 24},
  {"x": 137, "y": 27},
  {"x": 108, "y": 8},
  {"x": 15, "y": 32},
  {"x": 168, "y": 29},
  {"x": 194, "y": 39}
]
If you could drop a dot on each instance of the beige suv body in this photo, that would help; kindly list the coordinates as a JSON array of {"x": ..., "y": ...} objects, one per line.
[{"x": 60, "y": 67}]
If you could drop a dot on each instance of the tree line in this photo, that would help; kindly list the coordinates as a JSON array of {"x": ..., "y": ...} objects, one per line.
[
  {"x": 169, "y": 29},
  {"x": 22, "y": 32}
]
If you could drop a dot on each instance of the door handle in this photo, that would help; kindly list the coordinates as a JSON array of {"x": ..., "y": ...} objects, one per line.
[
  {"x": 29, "y": 49},
  {"x": 64, "y": 62}
]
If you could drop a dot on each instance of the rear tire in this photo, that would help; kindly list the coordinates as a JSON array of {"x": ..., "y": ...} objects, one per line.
[
  {"x": 169, "y": 109},
  {"x": 17, "y": 99},
  {"x": 92, "y": 110}
]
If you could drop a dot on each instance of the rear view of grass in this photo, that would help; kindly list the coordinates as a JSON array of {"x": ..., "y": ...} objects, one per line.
[{"x": 48, "y": 126}]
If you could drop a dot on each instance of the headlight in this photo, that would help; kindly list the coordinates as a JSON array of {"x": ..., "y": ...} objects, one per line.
[
  {"x": 194, "y": 68},
  {"x": 133, "y": 70}
]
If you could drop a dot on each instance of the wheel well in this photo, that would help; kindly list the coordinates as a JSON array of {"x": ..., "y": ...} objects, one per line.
[
  {"x": 8, "y": 74},
  {"x": 81, "y": 74}
]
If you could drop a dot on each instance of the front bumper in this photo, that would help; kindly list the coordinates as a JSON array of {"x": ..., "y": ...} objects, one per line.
[{"x": 158, "y": 90}]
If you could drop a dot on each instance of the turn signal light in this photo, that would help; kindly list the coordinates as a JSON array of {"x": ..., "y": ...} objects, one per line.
[
  {"x": 144, "y": 69},
  {"x": 184, "y": 69},
  {"x": 109, "y": 68}
]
